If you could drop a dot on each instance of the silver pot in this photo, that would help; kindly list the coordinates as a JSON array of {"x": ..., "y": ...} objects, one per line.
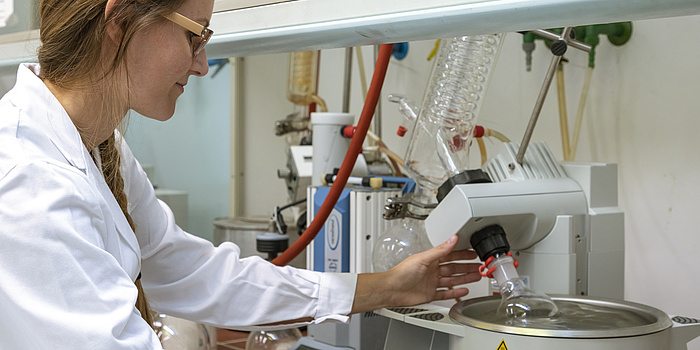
[{"x": 587, "y": 323}]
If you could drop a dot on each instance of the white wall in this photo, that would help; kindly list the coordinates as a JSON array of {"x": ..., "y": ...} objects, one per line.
[{"x": 641, "y": 113}]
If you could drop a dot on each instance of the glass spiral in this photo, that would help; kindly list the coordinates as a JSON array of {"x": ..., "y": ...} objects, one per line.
[{"x": 444, "y": 128}]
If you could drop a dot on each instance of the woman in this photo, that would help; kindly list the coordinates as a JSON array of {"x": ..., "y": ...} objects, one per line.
[{"x": 83, "y": 238}]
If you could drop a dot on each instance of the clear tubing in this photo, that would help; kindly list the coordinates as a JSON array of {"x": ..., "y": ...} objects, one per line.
[
  {"x": 439, "y": 146},
  {"x": 579, "y": 114},
  {"x": 563, "y": 116}
]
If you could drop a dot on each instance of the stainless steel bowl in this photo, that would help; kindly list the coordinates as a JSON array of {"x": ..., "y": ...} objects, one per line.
[{"x": 592, "y": 318}]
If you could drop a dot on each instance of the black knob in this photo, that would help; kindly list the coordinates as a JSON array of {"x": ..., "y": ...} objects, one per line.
[
  {"x": 489, "y": 241},
  {"x": 559, "y": 47}
]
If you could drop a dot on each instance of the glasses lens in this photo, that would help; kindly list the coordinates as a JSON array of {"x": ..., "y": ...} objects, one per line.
[{"x": 198, "y": 42}]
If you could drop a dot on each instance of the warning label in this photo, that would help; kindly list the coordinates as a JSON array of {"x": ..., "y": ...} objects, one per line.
[{"x": 503, "y": 345}]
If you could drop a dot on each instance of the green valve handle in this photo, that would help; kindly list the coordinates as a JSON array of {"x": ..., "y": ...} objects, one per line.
[{"x": 618, "y": 34}]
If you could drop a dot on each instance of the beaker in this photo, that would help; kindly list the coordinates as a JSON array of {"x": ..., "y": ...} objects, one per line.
[{"x": 439, "y": 145}]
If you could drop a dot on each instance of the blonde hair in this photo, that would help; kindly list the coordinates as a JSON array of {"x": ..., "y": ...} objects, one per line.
[{"x": 71, "y": 57}]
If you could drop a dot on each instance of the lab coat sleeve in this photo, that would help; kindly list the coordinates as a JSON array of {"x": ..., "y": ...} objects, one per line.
[
  {"x": 59, "y": 288},
  {"x": 186, "y": 276}
]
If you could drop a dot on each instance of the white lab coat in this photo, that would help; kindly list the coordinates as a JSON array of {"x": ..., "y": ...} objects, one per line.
[{"x": 68, "y": 257}]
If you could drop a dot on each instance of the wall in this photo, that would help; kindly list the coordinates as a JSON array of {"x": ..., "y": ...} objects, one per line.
[
  {"x": 641, "y": 113},
  {"x": 190, "y": 152}
]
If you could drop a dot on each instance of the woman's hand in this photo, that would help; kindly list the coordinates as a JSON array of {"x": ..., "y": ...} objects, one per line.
[{"x": 421, "y": 278}]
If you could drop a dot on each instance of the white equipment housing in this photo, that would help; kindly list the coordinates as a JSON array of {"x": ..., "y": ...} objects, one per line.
[
  {"x": 562, "y": 220},
  {"x": 367, "y": 330}
]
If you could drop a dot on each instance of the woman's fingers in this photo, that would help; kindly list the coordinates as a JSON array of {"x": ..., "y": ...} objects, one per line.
[
  {"x": 451, "y": 281},
  {"x": 458, "y": 269},
  {"x": 441, "y": 252},
  {"x": 451, "y": 293},
  {"x": 466, "y": 254}
]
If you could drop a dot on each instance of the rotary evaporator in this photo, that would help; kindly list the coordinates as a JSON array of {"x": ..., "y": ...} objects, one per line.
[{"x": 538, "y": 225}]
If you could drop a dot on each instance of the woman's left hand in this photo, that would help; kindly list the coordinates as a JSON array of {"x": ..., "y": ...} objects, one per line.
[{"x": 421, "y": 278}]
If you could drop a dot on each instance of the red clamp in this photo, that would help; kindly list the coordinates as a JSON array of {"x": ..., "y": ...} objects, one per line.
[{"x": 489, "y": 272}]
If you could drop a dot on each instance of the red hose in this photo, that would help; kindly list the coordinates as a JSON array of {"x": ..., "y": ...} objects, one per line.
[{"x": 348, "y": 162}]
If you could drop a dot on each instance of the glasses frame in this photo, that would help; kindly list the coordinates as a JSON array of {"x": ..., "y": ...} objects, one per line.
[{"x": 197, "y": 29}]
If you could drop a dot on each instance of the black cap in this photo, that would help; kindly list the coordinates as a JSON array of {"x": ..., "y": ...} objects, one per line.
[
  {"x": 474, "y": 176},
  {"x": 489, "y": 241},
  {"x": 271, "y": 243}
]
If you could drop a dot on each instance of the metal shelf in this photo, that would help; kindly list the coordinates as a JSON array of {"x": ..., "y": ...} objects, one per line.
[
  {"x": 18, "y": 47},
  {"x": 320, "y": 24}
]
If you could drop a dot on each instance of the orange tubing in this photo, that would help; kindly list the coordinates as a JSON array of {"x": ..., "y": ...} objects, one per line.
[{"x": 349, "y": 161}]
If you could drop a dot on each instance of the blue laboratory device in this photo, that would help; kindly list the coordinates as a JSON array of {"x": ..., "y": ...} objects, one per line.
[{"x": 332, "y": 244}]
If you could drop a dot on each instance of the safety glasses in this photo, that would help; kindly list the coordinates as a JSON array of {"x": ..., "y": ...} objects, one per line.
[{"x": 200, "y": 34}]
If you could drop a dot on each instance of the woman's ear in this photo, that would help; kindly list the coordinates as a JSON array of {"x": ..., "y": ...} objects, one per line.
[
  {"x": 114, "y": 31},
  {"x": 110, "y": 7}
]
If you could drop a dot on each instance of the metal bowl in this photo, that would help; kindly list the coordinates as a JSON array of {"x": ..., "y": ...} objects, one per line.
[{"x": 580, "y": 317}]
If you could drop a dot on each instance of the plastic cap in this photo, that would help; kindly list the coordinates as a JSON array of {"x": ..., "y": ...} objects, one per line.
[
  {"x": 402, "y": 130},
  {"x": 478, "y": 131},
  {"x": 349, "y": 131},
  {"x": 376, "y": 183}
]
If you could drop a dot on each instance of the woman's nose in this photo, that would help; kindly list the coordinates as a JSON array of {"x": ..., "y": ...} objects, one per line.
[{"x": 200, "y": 66}]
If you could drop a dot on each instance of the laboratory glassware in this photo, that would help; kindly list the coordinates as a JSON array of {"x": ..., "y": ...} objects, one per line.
[{"x": 439, "y": 145}]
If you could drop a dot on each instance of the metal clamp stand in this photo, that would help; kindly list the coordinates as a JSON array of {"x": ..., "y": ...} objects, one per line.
[{"x": 559, "y": 47}]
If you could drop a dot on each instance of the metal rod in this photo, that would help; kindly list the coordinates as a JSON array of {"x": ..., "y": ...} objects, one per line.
[
  {"x": 554, "y": 36},
  {"x": 348, "y": 80},
  {"x": 377, "y": 122},
  {"x": 540, "y": 100}
]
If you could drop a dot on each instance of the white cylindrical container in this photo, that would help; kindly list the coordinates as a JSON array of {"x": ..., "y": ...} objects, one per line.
[
  {"x": 329, "y": 144},
  {"x": 242, "y": 231}
]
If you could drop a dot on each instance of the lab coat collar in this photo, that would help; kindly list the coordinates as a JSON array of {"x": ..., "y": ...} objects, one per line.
[{"x": 31, "y": 94}]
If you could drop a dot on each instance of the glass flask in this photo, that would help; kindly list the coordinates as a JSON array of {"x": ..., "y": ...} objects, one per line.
[
  {"x": 282, "y": 339},
  {"x": 443, "y": 130},
  {"x": 404, "y": 238},
  {"x": 518, "y": 303},
  {"x": 179, "y": 334}
]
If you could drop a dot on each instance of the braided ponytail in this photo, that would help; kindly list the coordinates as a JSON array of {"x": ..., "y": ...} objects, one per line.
[
  {"x": 109, "y": 155},
  {"x": 72, "y": 58}
]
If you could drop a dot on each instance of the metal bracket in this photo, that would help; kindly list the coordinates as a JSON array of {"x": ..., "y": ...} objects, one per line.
[{"x": 406, "y": 207}]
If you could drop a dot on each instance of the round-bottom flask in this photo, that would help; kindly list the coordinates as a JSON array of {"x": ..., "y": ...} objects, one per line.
[
  {"x": 519, "y": 304},
  {"x": 401, "y": 240},
  {"x": 179, "y": 334},
  {"x": 282, "y": 339}
]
